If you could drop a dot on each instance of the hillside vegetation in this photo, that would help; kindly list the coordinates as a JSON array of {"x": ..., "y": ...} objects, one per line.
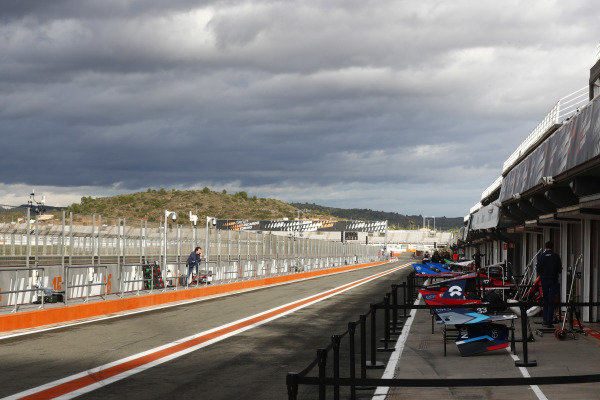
[
  {"x": 151, "y": 204},
  {"x": 395, "y": 220}
]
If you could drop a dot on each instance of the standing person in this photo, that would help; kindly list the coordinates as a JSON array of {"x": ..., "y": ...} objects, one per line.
[
  {"x": 477, "y": 259},
  {"x": 192, "y": 262},
  {"x": 549, "y": 268}
]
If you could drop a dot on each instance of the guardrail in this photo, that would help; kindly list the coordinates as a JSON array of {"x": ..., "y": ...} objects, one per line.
[
  {"x": 564, "y": 108},
  {"x": 390, "y": 326}
]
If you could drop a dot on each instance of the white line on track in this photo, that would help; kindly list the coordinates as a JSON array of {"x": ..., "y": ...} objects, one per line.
[
  {"x": 86, "y": 381},
  {"x": 382, "y": 391},
  {"x": 536, "y": 389},
  {"x": 174, "y": 304}
]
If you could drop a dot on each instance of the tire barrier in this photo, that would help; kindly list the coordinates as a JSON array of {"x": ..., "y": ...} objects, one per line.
[{"x": 390, "y": 326}]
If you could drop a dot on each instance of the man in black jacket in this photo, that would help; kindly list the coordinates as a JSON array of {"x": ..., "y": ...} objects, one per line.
[
  {"x": 193, "y": 261},
  {"x": 477, "y": 259},
  {"x": 549, "y": 268}
]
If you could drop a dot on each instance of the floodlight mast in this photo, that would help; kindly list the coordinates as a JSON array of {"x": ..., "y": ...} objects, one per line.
[
  {"x": 34, "y": 205},
  {"x": 194, "y": 222},
  {"x": 173, "y": 216},
  {"x": 213, "y": 222},
  {"x": 425, "y": 219}
]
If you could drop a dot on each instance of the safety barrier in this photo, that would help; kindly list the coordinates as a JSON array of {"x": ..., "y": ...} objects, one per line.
[
  {"x": 390, "y": 327},
  {"x": 35, "y": 285},
  {"x": 94, "y": 279},
  {"x": 82, "y": 282}
]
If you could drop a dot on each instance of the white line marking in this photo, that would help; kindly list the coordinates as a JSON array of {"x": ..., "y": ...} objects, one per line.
[
  {"x": 103, "y": 382},
  {"x": 536, "y": 389},
  {"x": 382, "y": 391},
  {"x": 175, "y": 304}
]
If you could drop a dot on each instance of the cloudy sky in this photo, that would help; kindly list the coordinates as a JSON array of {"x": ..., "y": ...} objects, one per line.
[{"x": 408, "y": 106}]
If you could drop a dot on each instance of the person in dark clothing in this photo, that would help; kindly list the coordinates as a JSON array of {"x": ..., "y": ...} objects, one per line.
[
  {"x": 193, "y": 261},
  {"x": 477, "y": 259},
  {"x": 549, "y": 268},
  {"x": 436, "y": 257}
]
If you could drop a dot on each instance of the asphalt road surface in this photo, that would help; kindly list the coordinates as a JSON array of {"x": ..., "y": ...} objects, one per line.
[{"x": 249, "y": 365}]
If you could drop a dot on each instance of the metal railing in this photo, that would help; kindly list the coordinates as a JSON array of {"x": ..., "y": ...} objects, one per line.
[
  {"x": 27, "y": 289},
  {"x": 80, "y": 239},
  {"x": 564, "y": 108},
  {"x": 103, "y": 280},
  {"x": 490, "y": 189}
]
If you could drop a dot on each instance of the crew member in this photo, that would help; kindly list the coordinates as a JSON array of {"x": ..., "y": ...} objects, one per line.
[
  {"x": 549, "y": 268},
  {"x": 477, "y": 259},
  {"x": 436, "y": 257},
  {"x": 426, "y": 257},
  {"x": 192, "y": 262}
]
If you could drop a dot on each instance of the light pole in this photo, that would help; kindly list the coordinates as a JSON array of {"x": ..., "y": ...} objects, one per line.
[
  {"x": 173, "y": 216},
  {"x": 212, "y": 221},
  {"x": 194, "y": 222},
  {"x": 425, "y": 219},
  {"x": 35, "y": 205}
]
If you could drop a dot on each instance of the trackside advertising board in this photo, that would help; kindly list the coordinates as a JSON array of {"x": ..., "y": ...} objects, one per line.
[{"x": 302, "y": 226}]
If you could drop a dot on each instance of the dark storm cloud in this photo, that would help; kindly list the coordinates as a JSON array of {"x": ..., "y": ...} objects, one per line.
[{"x": 268, "y": 94}]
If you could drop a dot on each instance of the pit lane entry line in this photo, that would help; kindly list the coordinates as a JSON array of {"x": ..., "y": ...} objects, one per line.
[{"x": 95, "y": 378}]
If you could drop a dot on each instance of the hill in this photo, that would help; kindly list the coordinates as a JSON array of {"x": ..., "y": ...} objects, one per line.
[
  {"x": 151, "y": 204},
  {"x": 396, "y": 219}
]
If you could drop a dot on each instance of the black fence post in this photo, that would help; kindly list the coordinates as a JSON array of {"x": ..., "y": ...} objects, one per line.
[
  {"x": 335, "y": 340},
  {"x": 413, "y": 290},
  {"x": 292, "y": 385},
  {"x": 373, "y": 364},
  {"x": 351, "y": 331},
  {"x": 404, "y": 294},
  {"x": 525, "y": 337},
  {"x": 386, "y": 325},
  {"x": 322, "y": 357},
  {"x": 570, "y": 310},
  {"x": 363, "y": 351},
  {"x": 394, "y": 308},
  {"x": 363, "y": 346},
  {"x": 513, "y": 348}
]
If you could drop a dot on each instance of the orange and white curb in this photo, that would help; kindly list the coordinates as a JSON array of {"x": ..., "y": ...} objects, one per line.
[{"x": 87, "y": 381}]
